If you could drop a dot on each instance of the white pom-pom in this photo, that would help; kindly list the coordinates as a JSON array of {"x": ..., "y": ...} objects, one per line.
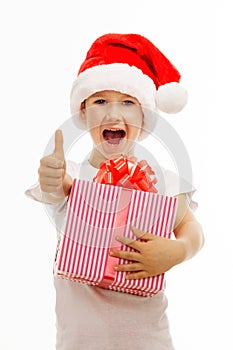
[{"x": 171, "y": 97}]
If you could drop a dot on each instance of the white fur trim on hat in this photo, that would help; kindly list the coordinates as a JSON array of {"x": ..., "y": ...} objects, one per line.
[{"x": 117, "y": 76}]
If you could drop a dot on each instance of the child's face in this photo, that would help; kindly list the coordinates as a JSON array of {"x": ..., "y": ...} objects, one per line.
[{"x": 114, "y": 121}]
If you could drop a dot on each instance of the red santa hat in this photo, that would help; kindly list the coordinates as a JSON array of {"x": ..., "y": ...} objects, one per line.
[{"x": 131, "y": 64}]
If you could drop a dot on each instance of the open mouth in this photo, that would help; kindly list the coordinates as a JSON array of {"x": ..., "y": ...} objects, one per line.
[{"x": 114, "y": 136}]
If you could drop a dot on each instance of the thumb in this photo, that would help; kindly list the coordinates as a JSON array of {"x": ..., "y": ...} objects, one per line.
[{"x": 58, "y": 150}]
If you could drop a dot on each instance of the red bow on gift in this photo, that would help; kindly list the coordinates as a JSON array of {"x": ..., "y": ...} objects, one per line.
[{"x": 127, "y": 173}]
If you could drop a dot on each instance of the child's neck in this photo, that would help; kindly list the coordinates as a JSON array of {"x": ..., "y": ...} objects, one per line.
[{"x": 96, "y": 157}]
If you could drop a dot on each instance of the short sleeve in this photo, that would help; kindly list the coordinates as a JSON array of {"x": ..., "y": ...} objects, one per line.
[
  {"x": 55, "y": 211},
  {"x": 175, "y": 185},
  {"x": 34, "y": 192}
]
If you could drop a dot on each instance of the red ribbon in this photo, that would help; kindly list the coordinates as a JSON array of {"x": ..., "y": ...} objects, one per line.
[{"x": 127, "y": 173}]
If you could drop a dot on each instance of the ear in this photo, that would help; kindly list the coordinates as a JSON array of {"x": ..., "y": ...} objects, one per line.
[
  {"x": 83, "y": 115},
  {"x": 83, "y": 112}
]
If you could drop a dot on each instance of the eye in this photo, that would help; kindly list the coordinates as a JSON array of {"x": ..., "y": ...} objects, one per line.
[
  {"x": 128, "y": 102},
  {"x": 100, "y": 101}
]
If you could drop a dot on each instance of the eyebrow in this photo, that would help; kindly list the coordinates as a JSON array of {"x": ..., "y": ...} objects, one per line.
[{"x": 97, "y": 96}]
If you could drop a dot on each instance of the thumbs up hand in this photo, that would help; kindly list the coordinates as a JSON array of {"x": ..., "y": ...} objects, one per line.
[{"x": 53, "y": 178}]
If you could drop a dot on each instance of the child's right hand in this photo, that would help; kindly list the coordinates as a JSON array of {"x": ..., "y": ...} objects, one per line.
[{"x": 53, "y": 178}]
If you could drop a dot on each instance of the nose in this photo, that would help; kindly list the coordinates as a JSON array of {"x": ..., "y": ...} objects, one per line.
[{"x": 113, "y": 111}]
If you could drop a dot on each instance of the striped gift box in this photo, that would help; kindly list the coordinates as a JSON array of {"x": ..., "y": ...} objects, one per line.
[{"x": 96, "y": 214}]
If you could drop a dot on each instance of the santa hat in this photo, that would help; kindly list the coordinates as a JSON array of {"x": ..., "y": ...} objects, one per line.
[{"x": 131, "y": 64}]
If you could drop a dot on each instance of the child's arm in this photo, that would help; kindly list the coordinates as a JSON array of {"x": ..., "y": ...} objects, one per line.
[
  {"x": 54, "y": 181},
  {"x": 188, "y": 230},
  {"x": 156, "y": 255}
]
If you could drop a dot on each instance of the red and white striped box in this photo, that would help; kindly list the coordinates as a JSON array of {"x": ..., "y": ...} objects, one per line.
[{"x": 96, "y": 214}]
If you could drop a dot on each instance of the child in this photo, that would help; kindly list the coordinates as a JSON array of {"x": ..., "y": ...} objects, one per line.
[{"x": 121, "y": 85}]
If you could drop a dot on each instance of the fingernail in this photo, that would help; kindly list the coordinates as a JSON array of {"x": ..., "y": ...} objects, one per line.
[{"x": 110, "y": 253}]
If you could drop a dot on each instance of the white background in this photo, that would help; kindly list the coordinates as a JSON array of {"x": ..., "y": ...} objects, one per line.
[{"x": 42, "y": 46}]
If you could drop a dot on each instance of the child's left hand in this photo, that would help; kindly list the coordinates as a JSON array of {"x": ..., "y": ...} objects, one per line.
[{"x": 152, "y": 256}]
